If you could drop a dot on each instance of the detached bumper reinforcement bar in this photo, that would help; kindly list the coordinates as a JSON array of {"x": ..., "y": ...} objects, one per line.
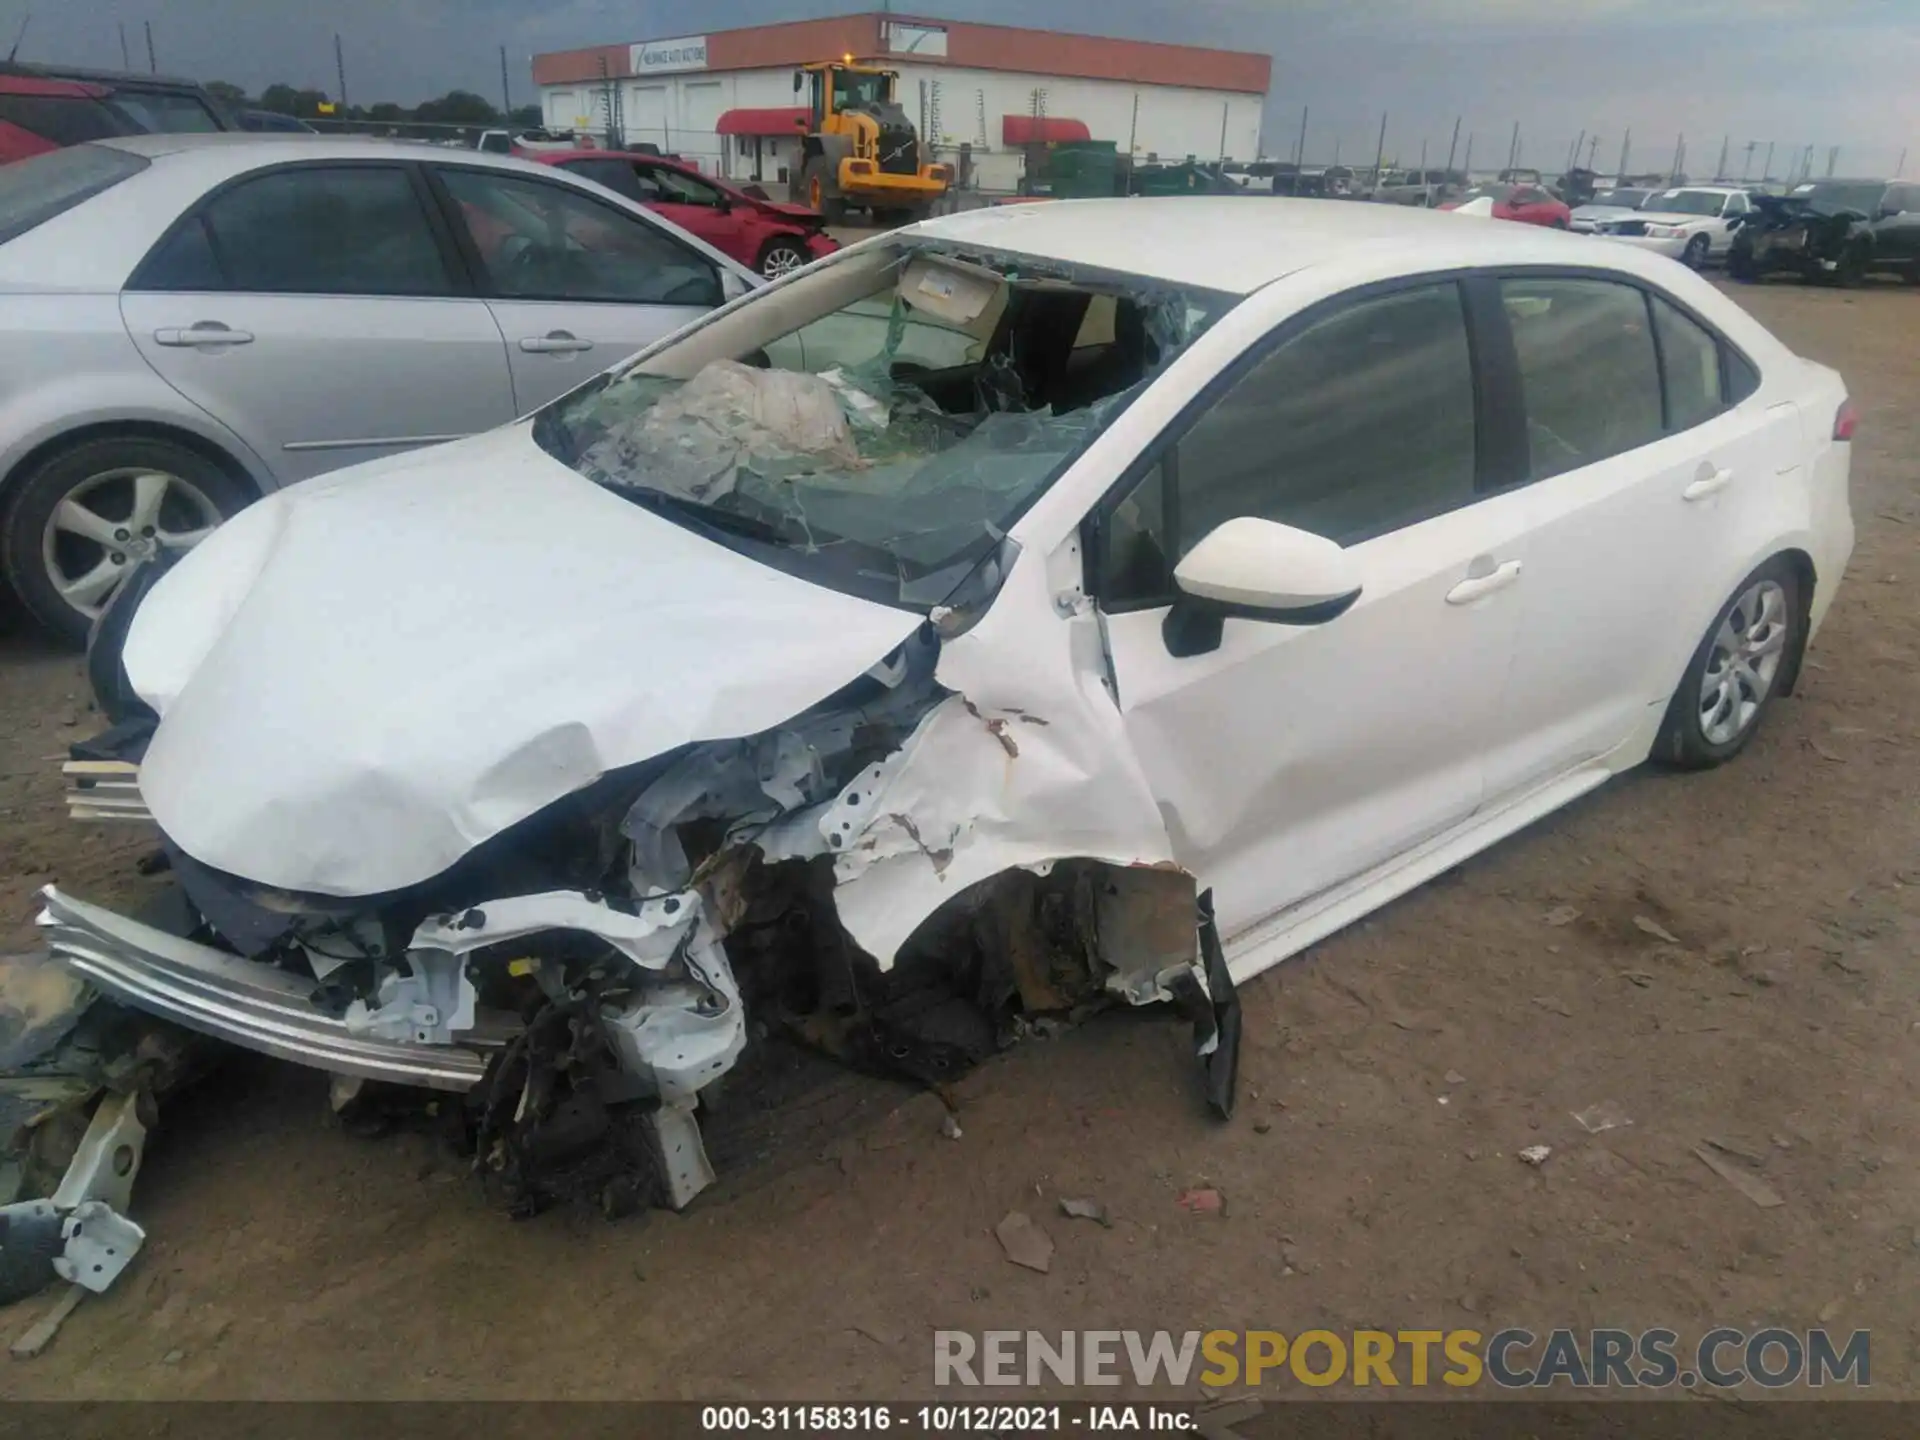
[{"x": 246, "y": 1003}]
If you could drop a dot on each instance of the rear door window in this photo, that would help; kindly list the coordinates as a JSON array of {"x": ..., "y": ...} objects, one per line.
[
  {"x": 327, "y": 230},
  {"x": 1588, "y": 370},
  {"x": 1689, "y": 366},
  {"x": 616, "y": 175}
]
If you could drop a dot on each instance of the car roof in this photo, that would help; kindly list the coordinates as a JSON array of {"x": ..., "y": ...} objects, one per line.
[
  {"x": 237, "y": 151},
  {"x": 1237, "y": 244}
]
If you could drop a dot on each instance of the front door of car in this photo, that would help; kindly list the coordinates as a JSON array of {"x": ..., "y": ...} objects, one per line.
[
  {"x": 575, "y": 282},
  {"x": 1290, "y": 757},
  {"x": 698, "y": 208},
  {"x": 1639, "y": 494},
  {"x": 317, "y": 310}
]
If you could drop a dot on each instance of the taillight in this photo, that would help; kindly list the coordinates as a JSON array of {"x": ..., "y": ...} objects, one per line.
[{"x": 1845, "y": 421}]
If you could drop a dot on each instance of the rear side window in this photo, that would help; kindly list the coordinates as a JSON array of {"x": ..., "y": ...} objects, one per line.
[
  {"x": 63, "y": 119},
  {"x": 1690, "y": 367},
  {"x": 1587, "y": 369},
  {"x": 35, "y": 190},
  {"x": 321, "y": 230},
  {"x": 616, "y": 175},
  {"x": 165, "y": 113}
]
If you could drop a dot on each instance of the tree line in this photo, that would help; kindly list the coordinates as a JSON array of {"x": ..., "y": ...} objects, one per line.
[{"x": 456, "y": 107}]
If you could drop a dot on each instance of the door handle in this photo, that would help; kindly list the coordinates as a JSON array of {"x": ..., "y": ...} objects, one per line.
[
  {"x": 555, "y": 342},
  {"x": 1472, "y": 588},
  {"x": 202, "y": 333},
  {"x": 1710, "y": 482}
]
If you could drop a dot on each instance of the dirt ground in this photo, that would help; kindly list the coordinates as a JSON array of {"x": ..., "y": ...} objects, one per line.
[{"x": 1388, "y": 1080}]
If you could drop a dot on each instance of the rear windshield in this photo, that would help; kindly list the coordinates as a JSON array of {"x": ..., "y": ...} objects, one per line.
[
  {"x": 64, "y": 119},
  {"x": 33, "y": 191},
  {"x": 161, "y": 112}
]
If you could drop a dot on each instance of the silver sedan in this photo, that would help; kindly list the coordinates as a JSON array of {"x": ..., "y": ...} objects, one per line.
[{"x": 188, "y": 322}]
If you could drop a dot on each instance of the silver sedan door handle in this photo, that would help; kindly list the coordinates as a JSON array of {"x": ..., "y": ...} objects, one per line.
[
  {"x": 202, "y": 334},
  {"x": 554, "y": 342},
  {"x": 1710, "y": 482},
  {"x": 1471, "y": 589}
]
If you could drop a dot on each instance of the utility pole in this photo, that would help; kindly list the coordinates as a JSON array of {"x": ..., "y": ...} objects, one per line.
[
  {"x": 1381, "y": 153},
  {"x": 126, "y": 60},
  {"x": 340, "y": 70},
  {"x": 1901, "y": 169},
  {"x": 1593, "y": 148},
  {"x": 1336, "y": 150},
  {"x": 1679, "y": 158},
  {"x": 1746, "y": 165},
  {"x": 1513, "y": 147},
  {"x": 1766, "y": 171},
  {"x": 1453, "y": 144},
  {"x": 1133, "y": 126},
  {"x": 1223, "y": 133},
  {"x": 153, "y": 65},
  {"x": 1625, "y": 141},
  {"x": 1720, "y": 170},
  {"x": 1299, "y": 150},
  {"x": 1833, "y": 159},
  {"x": 1573, "y": 151},
  {"x": 506, "y": 95}
]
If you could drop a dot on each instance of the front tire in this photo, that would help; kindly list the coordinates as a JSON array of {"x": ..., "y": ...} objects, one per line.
[
  {"x": 82, "y": 520},
  {"x": 1694, "y": 257},
  {"x": 1740, "y": 266},
  {"x": 780, "y": 257},
  {"x": 1748, "y": 653}
]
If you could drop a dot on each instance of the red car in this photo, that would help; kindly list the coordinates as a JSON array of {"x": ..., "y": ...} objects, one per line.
[
  {"x": 771, "y": 237},
  {"x": 1529, "y": 204},
  {"x": 42, "y": 110}
]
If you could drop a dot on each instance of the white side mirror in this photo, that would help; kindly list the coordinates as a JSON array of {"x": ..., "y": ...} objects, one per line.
[{"x": 1257, "y": 569}]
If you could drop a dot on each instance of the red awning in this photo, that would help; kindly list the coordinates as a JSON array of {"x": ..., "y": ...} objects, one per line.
[
  {"x": 776, "y": 121},
  {"x": 1040, "y": 129}
]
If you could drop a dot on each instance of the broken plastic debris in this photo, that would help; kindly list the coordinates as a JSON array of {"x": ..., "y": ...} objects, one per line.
[
  {"x": 1202, "y": 1202},
  {"x": 1025, "y": 1242},
  {"x": 1086, "y": 1210},
  {"x": 1562, "y": 915},
  {"x": 1606, "y": 1115},
  {"x": 950, "y": 1127},
  {"x": 1454, "y": 1077},
  {"x": 1751, "y": 1186},
  {"x": 1655, "y": 929},
  {"x": 1536, "y": 1155}
]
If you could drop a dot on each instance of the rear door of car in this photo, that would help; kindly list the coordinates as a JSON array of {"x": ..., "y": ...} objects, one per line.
[
  {"x": 576, "y": 283},
  {"x": 320, "y": 310},
  {"x": 1649, "y": 454}
]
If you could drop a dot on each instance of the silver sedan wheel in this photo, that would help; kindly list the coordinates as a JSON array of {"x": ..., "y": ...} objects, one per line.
[
  {"x": 113, "y": 522},
  {"x": 1747, "y": 650}
]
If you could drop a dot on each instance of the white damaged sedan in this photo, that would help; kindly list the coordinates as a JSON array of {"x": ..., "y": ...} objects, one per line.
[{"x": 1097, "y": 600}]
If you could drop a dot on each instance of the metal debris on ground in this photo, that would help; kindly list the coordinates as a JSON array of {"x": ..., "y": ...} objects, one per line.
[
  {"x": 1086, "y": 1210},
  {"x": 1561, "y": 915},
  {"x": 1202, "y": 1202},
  {"x": 1454, "y": 1077},
  {"x": 1655, "y": 929},
  {"x": 1751, "y": 1186},
  {"x": 1536, "y": 1155},
  {"x": 1025, "y": 1242},
  {"x": 1606, "y": 1115}
]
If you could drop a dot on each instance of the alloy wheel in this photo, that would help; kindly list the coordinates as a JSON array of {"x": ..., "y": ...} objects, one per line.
[
  {"x": 1696, "y": 253},
  {"x": 111, "y": 523},
  {"x": 1747, "y": 651},
  {"x": 781, "y": 260}
]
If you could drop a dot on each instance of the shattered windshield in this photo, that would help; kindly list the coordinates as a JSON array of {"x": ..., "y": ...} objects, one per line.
[{"x": 878, "y": 425}]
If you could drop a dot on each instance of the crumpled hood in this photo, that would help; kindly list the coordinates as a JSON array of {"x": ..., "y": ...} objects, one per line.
[{"x": 364, "y": 676}]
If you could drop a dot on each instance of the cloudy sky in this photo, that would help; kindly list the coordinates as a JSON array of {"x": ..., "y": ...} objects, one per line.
[{"x": 1797, "y": 72}]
